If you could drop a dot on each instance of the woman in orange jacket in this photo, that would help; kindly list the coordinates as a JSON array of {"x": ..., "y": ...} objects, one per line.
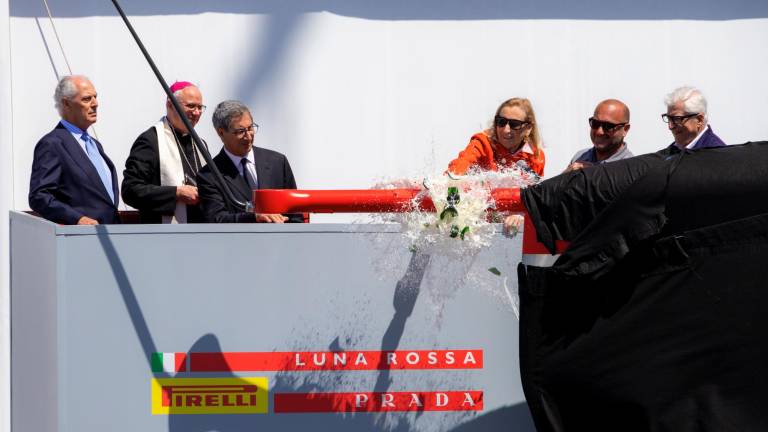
[{"x": 513, "y": 137}]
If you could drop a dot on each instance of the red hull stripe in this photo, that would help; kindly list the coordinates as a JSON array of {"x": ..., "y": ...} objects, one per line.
[
  {"x": 469, "y": 400},
  {"x": 180, "y": 360},
  {"x": 335, "y": 361}
]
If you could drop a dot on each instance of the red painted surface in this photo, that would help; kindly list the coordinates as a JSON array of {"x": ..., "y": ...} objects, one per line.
[
  {"x": 362, "y": 200},
  {"x": 469, "y": 400},
  {"x": 384, "y": 201},
  {"x": 335, "y": 360}
]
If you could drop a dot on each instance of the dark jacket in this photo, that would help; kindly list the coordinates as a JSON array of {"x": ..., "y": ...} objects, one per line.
[
  {"x": 141, "y": 182},
  {"x": 65, "y": 186},
  {"x": 273, "y": 172},
  {"x": 708, "y": 140}
]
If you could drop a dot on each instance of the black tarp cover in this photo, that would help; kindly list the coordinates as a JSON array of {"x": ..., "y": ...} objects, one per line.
[{"x": 656, "y": 317}]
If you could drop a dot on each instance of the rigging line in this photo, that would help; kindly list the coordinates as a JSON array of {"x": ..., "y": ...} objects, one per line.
[
  {"x": 64, "y": 54},
  {"x": 56, "y": 33}
]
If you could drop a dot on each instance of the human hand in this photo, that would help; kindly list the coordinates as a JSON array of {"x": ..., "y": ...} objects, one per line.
[
  {"x": 187, "y": 194},
  {"x": 270, "y": 218},
  {"x": 512, "y": 224},
  {"x": 85, "y": 220},
  {"x": 577, "y": 166}
]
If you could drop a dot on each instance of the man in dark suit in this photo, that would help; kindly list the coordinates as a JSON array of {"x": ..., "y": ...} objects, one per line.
[
  {"x": 244, "y": 168},
  {"x": 73, "y": 181},
  {"x": 686, "y": 118}
]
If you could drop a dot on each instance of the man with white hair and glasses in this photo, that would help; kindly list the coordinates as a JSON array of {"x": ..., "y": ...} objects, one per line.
[{"x": 686, "y": 118}]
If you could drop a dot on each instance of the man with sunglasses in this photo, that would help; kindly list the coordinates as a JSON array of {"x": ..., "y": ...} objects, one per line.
[
  {"x": 159, "y": 177},
  {"x": 686, "y": 118},
  {"x": 607, "y": 129}
]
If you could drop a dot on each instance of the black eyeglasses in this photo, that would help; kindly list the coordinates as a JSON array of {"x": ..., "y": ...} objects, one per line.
[
  {"x": 242, "y": 131},
  {"x": 677, "y": 120},
  {"x": 607, "y": 126},
  {"x": 500, "y": 121}
]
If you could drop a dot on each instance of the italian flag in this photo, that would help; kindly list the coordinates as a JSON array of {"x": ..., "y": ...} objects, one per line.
[{"x": 169, "y": 362}]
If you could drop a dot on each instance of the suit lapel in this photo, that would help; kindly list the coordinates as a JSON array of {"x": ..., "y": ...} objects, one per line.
[
  {"x": 263, "y": 170},
  {"x": 705, "y": 139},
  {"x": 232, "y": 176},
  {"x": 81, "y": 159}
]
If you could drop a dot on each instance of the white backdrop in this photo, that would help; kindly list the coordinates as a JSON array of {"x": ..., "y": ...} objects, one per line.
[
  {"x": 353, "y": 91},
  {"x": 352, "y": 94}
]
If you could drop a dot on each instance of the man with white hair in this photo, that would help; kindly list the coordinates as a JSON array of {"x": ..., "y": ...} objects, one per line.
[
  {"x": 686, "y": 118},
  {"x": 73, "y": 181},
  {"x": 160, "y": 173}
]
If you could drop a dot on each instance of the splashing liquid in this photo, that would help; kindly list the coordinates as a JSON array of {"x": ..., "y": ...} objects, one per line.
[{"x": 428, "y": 233}]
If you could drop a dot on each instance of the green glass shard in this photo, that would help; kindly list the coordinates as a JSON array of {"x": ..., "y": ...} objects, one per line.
[{"x": 464, "y": 232}]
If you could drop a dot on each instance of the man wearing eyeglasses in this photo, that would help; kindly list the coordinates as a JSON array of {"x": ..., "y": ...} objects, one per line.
[
  {"x": 243, "y": 167},
  {"x": 160, "y": 174},
  {"x": 607, "y": 129},
  {"x": 686, "y": 118}
]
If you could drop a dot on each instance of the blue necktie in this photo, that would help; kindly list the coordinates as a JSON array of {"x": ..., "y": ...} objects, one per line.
[{"x": 98, "y": 163}]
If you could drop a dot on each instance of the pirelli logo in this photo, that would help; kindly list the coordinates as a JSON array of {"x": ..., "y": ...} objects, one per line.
[{"x": 242, "y": 395}]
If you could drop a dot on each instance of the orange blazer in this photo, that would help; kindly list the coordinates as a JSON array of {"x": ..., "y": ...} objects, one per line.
[{"x": 489, "y": 155}]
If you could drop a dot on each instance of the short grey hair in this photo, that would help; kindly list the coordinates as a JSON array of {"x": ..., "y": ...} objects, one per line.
[
  {"x": 692, "y": 98},
  {"x": 66, "y": 89},
  {"x": 227, "y": 111}
]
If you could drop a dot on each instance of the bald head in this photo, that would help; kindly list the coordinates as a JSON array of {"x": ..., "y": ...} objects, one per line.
[
  {"x": 613, "y": 108},
  {"x": 608, "y": 127}
]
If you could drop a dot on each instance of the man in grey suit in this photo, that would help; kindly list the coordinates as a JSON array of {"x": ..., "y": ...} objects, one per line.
[{"x": 244, "y": 168}]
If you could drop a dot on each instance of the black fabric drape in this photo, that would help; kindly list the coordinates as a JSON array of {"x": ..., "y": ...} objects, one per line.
[
  {"x": 654, "y": 318},
  {"x": 604, "y": 210},
  {"x": 563, "y": 206}
]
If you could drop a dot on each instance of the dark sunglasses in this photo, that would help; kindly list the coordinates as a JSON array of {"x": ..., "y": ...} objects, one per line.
[
  {"x": 500, "y": 121},
  {"x": 676, "y": 120},
  {"x": 607, "y": 126}
]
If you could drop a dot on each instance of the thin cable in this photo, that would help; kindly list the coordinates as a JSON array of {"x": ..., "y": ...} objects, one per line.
[
  {"x": 64, "y": 54},
  {"x": 56, "y": 33}
]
